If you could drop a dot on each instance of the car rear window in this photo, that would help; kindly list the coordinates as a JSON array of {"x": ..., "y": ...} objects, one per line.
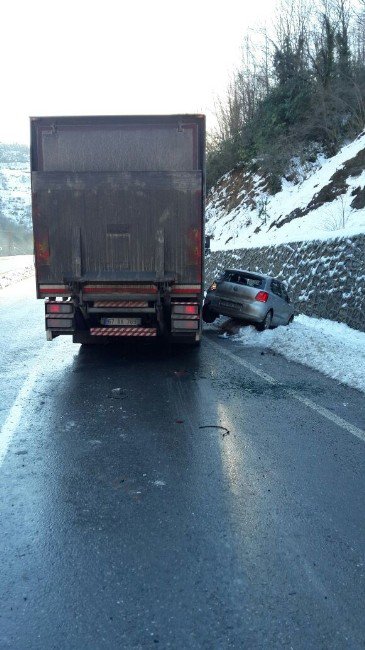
[{"x": 243, "y": 278}]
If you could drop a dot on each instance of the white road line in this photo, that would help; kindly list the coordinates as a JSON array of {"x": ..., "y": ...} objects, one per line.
[
  {"x": 340, "y": 422},
  {"x": 12, "y": 421}
]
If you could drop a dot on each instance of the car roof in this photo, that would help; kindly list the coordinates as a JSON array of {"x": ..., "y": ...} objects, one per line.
[{"x": 252, "y": 274}]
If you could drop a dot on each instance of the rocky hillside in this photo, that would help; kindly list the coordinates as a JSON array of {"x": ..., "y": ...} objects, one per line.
[
  {"x": 319, "y": 200},
  {"x": 15, "y": 214}
]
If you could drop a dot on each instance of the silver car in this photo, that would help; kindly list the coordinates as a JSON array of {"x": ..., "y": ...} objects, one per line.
[{"x": 254, "y": 298}]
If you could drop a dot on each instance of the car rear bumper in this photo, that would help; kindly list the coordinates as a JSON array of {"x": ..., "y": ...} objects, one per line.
[{"x": 253, "y": 312}]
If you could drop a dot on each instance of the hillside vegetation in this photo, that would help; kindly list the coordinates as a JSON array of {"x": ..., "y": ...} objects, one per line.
[
  {"x": 15, "y": 216},
  {"x": 319, "y": 200},
  {"x": 299, "y": 92}
]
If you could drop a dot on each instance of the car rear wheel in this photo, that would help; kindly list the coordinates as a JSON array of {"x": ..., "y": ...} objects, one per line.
[
  {"x": 208, "y": 315},
  {"x": 266, "y": 323}
]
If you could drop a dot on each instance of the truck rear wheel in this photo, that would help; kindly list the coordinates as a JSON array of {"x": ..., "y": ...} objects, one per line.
[{"x": 86, "y": 340}]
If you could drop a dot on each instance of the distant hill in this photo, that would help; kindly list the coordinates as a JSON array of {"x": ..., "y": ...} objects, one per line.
[
  {"x": 15, "y": 200},
  {"x": 317, "y": 200}
]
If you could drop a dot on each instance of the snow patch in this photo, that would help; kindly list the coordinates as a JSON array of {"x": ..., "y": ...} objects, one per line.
[
  {"x": 252, "y": 222},
  {"x": 15, "y": 269},
  {"x": 332, "y": 348}
]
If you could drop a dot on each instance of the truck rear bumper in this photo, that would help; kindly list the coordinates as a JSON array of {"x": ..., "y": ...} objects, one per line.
[{"x": 123, "y": 331}]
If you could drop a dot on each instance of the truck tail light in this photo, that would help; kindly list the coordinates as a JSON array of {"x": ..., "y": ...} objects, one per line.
[
  {"x": 262, "y": 296},
  {"x": 185, "y": 325},
  {"x": 59, "y": 323},
  {"x": 181, "y": 308},
  {"x": 59, "y": 308},
  {"x": 213, "y": 286},
  {"x": 191, "y": 309}
]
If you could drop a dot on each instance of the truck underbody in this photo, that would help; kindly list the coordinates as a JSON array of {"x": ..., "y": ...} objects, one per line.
[{"x": 95, "y": 312}]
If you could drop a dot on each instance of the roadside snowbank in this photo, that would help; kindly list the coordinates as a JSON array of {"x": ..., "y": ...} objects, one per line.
[
  {"x": 332, "y": 348},
  {"x": 15, "y": 269}
]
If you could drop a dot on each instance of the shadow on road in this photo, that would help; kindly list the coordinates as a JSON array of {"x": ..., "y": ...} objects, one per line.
[{"x": 147, "y": 351}]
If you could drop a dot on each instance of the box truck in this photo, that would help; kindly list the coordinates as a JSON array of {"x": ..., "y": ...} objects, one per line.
[{"x": 118, "y": 222}]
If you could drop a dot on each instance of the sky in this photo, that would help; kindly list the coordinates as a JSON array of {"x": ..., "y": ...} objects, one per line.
[{"x": 81, "y": 57}]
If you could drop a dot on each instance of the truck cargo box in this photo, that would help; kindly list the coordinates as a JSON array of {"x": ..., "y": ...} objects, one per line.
[
  {"x": 118, "y": 221},
  {"x": 118, "y": 198}
]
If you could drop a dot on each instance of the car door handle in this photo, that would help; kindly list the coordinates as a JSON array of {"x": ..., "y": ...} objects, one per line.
[{"x": 235, "y": 288}]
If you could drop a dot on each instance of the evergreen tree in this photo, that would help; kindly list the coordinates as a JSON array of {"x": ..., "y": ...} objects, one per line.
[{"x": 305, "y": 86}]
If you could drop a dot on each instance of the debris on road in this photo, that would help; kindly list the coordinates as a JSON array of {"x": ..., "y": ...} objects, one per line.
[
  {"x": 226, "y": 431},
  {"x": 118, "y": 393},
  {"x": 181, "y": 373}
]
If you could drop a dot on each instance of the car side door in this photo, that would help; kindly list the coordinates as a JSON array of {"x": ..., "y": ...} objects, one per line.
[
  {"x": 277, "y": 302},
  {"x": 287, "y": 306}
]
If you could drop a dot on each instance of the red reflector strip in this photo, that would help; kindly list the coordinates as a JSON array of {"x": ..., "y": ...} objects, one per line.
[
  {"x": 196, "y": 287},
  {"x": 185, "y": 290},
  {"x": 120, "y": 303},
  {"x": 54, "y": 290},
  {"x": 120, "y": 288},
  {"x": 123, "y": 331}
]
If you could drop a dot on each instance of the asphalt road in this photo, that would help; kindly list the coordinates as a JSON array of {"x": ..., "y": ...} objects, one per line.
[{"x": 177, "y": 500}]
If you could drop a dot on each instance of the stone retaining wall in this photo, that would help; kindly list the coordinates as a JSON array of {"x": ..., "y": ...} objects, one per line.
[{"x": 326, "y": 279}]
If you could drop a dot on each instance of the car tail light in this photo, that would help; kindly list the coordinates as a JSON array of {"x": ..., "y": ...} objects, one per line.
[
  {"x": 213, "y": 286},
  {"x": 59, "y": 308},
  {"x": 262, "y": 296}
]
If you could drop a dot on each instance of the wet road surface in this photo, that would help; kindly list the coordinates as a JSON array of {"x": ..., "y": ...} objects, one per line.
[{"x": 129, "y": 519}]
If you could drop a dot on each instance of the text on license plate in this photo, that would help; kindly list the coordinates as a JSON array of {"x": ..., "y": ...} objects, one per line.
[
  {"x": 121, "y": 321},
  {"x": 228, "y": 303}
]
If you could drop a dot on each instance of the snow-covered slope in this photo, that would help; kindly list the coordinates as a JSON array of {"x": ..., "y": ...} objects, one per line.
[
  {"x": 323, "y": 200},
  {"x": 332, "y": 348},
  {"x": 15, "y": 184}
]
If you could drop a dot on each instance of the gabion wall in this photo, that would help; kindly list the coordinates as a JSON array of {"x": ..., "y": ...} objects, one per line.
[{"x": 326, "y": 279}]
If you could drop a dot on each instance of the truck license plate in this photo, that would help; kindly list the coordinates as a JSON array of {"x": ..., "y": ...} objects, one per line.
[{"x": 121, "y": 321}]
